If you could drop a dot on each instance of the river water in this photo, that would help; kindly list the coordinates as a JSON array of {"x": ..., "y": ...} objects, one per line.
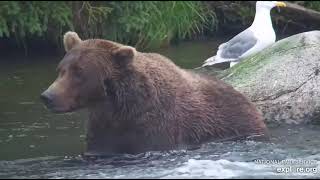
[{"x": 35, "y": 143}]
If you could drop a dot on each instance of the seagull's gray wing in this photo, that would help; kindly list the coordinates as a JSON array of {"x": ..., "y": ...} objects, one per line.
[{"x": 238, "y": 45}]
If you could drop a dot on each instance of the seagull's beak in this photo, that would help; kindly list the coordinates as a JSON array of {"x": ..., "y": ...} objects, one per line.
[{"x": 281, "y": 4}]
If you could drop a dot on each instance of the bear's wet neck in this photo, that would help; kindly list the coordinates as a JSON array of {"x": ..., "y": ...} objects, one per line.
[
  {"x": 105, "y": 135},
  {"x": 131, "y": 95},
  {"x": 115, "y": 124}
]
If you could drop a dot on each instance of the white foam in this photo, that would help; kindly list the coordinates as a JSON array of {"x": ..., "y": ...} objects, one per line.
[
  {"x": 214, "y": 169},
  {"x": 227, "y": 169}
]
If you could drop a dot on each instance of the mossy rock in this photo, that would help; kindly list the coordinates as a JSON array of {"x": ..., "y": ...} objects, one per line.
[{"x": 283, "y": 80}]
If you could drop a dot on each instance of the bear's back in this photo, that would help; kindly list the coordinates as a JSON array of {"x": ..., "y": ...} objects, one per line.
[{"x": 207, "y": 105}]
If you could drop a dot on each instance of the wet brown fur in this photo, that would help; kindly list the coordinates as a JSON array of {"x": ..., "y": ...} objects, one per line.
[{"x": 148, "y": 103}]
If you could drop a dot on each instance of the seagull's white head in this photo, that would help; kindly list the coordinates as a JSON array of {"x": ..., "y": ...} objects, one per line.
[{"x": 269, "y": 4}]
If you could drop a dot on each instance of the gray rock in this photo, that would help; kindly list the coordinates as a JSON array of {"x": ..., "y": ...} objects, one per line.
[{"x": 283, "y": 80}]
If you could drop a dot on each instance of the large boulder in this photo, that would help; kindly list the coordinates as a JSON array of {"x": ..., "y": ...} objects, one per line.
[{"x": 283, "y": 80}]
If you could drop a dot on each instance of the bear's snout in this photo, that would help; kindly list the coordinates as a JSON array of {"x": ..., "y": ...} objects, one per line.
[
  {"x": 47, "y": 99},
  {"x": 51, "y": 101},
  {"x": 57, "y": 100}
]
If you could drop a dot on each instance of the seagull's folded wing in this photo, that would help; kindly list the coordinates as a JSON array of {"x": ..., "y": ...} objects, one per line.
[
  {"x": 237, "y": 46},
  {"x": 232, "y": 50}
]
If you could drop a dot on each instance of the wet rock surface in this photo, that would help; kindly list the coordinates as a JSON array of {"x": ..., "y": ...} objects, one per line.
[{"x": 283, "y": 80}]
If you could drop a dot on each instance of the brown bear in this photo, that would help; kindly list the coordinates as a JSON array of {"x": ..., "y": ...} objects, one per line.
[{"x": 142, "y": 102}]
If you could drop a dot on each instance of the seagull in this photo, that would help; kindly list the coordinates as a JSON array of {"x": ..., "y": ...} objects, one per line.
[{"x": 250, "y": 41}]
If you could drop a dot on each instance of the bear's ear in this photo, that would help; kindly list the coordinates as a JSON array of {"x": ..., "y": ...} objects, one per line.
[
  {"x": 124, "y": 55},
  {"x": 70, "y": 40}
]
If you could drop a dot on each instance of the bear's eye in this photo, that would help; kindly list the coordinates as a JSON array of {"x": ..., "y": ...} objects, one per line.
[{"x": 77, "y": 72}]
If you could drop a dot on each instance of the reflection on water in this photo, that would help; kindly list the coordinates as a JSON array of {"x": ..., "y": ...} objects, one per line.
[
  {"x": 27, "y": 129},
  {"x": 191, "y": 54},
  {"x": 35, "y": 143}
]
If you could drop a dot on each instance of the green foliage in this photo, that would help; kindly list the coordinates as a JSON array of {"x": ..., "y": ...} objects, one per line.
[
  {"x": 315, "y": 5},
  {"x": 153, "y": 23},
  {"x": 93, "y": 16},
  {"x": 246, "y": 14},
  {"x": 143, "y": 24},
  {"x": 21, "y": 19}
]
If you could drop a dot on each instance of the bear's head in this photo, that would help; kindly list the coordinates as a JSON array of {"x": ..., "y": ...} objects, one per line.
[{"x": 83, "y": 72}]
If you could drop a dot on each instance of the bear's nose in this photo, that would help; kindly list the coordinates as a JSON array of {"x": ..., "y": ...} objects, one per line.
[{"x": 47, "y": 99}]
